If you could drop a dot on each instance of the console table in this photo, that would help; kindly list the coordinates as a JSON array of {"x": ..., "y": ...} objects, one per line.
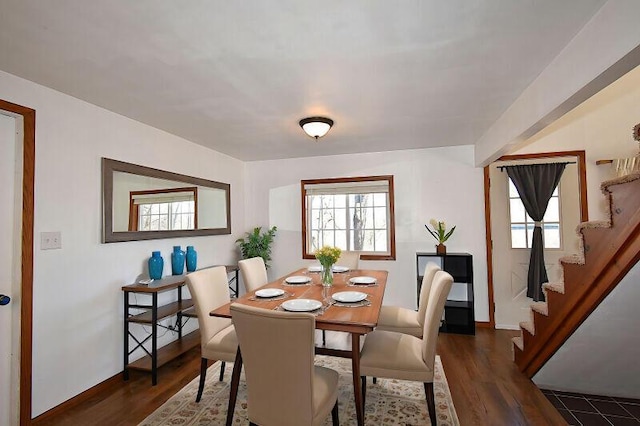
[{"x": 152, "y": 313}]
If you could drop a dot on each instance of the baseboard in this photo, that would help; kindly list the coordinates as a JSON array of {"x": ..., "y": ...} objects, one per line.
[
  {"x": 507, "y": 327},
  {"x": 484, "y": 324},
  {"x": 104, "y": 386}
]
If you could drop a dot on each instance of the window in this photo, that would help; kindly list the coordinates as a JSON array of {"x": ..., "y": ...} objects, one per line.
[
  {"x": 354, "y": 214},
  {"x": 163, "y": 209},
  {"x": 522, "y": 224}
]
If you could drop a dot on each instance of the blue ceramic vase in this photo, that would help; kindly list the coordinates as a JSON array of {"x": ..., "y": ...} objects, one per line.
[
  {"x": 156, "y": 265},
  {"x": 192, "y": 259},
  {"x": 177, "y": 261}
]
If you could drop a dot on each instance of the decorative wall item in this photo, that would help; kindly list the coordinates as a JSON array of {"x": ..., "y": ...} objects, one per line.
[
  {"x": 156, "y": 265},
  {"x": 177, "y": 261},
  {"x": 192, "y": 259}
]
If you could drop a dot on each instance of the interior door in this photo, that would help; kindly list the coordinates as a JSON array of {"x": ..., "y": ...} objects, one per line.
[
  {"x": 10, "y": 179},
  {"x": 510, "y": 266}
]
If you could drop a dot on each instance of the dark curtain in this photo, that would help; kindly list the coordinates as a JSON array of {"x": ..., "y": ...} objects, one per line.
[{"x": 535, "y": 184}]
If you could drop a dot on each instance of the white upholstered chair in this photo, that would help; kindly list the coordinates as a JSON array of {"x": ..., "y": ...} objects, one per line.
[
  {"x": 254, "y": 273},
  {"x": 209, "y": 290},
  {"x": 408, "y": 321},
  {"x": 405, "y": 357},
  {"x": 283, "y": 385},
  {"x": 350, "y": 259}
]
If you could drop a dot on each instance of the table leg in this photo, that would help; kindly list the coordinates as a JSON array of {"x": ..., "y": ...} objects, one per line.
[
  {"x": 235, "y": 383},
  {"x": 355, "y": 367}
]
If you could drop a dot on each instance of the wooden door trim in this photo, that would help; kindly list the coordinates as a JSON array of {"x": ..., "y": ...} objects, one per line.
[
  {"x": 26, "y": 305},
  {"x": 584, "y": 209}
]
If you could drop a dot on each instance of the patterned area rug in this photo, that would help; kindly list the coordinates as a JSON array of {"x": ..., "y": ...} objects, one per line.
[{"x": 389, "y": 402}]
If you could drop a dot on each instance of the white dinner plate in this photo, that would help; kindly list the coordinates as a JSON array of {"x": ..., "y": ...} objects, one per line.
[
  {"x": 349, "y": 296},
  {"x": 301, "y": 305},
  {"x": 297, "y": 279},
  {"x": 314, "y": 268},
  {"x": 270, "y": 292},
  {"x": 338, "y": 268},
  {"x": 362, "y": 280}
]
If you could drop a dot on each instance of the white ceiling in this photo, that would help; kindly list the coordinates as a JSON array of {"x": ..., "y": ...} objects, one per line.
[{"x": 237, "y": 76}]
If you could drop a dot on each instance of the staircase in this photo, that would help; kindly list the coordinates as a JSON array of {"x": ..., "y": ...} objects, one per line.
[{"x": 609, "y": 250}]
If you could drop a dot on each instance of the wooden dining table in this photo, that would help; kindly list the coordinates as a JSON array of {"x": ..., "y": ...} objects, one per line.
[{"x": 358, "y": 321}]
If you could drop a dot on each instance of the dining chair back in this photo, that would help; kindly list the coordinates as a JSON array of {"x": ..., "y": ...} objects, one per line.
[
  {"x": 209, "y": 290},
  {"x": 254, "y": 273},
  {"x": 388, "y": 354},
  {"x": 283, "y": 385},
  {"x": 408, "y": 321},
  {"x": 350, "y": 259}
]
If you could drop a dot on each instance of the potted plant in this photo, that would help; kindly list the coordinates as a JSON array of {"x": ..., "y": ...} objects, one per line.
[
  {"x": 257, "y": 244},
  {"x": 439, "y": 232}
]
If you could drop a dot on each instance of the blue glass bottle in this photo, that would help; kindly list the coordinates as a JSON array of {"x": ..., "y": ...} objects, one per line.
[
  {"x": 177, "y": 261},
  {"x": 156, "y": 265},
  {"x": 192, "y": 259}
]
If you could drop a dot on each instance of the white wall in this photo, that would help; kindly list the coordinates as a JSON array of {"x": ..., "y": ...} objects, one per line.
[
  {"x": 77, "y": 321},
  {"x": 437, "y": 183},
  {"x": 602, "y": 126}
]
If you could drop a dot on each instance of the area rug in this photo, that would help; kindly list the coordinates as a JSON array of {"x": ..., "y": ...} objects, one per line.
[{"x": 389, "y": 402}]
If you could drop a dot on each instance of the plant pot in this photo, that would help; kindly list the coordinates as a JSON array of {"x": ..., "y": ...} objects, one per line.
[{"x": 441, "y": 249}]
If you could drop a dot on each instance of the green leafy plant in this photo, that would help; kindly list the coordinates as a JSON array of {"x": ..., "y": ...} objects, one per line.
[
  {"x": 439, "y": 231},
  {"x": 257, "y": 244}
]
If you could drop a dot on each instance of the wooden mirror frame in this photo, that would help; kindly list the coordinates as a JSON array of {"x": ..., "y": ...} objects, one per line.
[{"x": 110, "y": 166}]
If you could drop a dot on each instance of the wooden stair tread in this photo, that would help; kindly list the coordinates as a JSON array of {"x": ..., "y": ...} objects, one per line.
[
  {"x": 529, "y": 326},
  {"x": 541, "y": 308}
]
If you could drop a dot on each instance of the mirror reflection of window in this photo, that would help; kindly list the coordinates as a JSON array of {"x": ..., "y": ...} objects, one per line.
[{"x": 163, "y": 209}]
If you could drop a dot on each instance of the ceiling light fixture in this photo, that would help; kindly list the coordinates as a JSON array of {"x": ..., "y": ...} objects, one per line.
[{"x": 316, "y": 127}]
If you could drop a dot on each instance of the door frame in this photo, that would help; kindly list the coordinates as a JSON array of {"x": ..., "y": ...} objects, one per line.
[
  {"x": 584, "y": 211},
  {"x": 26, "y": 304}
]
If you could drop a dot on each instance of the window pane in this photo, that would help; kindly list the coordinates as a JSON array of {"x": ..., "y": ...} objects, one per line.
[
  {"x": 368, "y": 242},
  {"x": 381, "y": 240},
  {"x": 164, "y": 208},
  {"x": 551, "y": 235},
  {"x": 555, "y": 191},
  {"x": 513, "y": 192},
  {"x": 518, "y": 237},
  {"x": 327, "y": 238},
  {"x": 315, "y": 202},
  {"x": 340, "y": 221},
  {"x": 315, "y": 219},
  {"x": 379, "y": 199},
  {"x": 327, "y": 201},
  {"x": 340, "y": 201},
  {"x": 155, "y": 209},
  {"x": 341, "y": 240},
  {"x": 380, "y": 214},
  {"x": 516, "y": 210},
  {"x": 368, "y": 218},
  {"x": 553, "y": 211}
]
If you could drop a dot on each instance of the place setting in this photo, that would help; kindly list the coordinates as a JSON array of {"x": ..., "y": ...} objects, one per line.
[
  {"x": 297, "y": 280},
  {"x": 362, "y": 281},
  {"x": 311, "y": 306},
  {"x": 269, "y": 294},
  {"x": 350, "y": 299}
]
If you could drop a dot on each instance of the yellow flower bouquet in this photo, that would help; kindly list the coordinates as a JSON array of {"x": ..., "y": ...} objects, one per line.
[{"x": 327, "y": 256}]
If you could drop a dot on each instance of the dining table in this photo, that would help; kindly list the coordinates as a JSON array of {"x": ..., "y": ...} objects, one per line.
[{"x": 357, "y": 319}]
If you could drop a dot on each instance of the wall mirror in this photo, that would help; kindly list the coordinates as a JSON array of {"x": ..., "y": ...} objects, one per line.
[{"x": 142, "y": 203}]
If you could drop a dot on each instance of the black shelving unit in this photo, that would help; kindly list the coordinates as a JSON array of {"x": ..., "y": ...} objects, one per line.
[{"x": 459, "y": 315}]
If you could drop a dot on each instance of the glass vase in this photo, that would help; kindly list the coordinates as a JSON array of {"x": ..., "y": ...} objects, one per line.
[
  {"x": 327, "y": 275},
  {"x": 177, "y": 261},
  {"x": 156, "y": 265},
  {"x": 192, "y": 259}
]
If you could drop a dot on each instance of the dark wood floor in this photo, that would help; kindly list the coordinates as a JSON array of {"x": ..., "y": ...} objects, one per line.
[{"x": 486, "y": 386}]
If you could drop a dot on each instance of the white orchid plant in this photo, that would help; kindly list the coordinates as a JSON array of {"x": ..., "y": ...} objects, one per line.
[{"x": 439, "y": 230}]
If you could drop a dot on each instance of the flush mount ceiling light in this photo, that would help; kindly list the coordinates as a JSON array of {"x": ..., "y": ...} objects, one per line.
[{"x": 316, "y": 127}]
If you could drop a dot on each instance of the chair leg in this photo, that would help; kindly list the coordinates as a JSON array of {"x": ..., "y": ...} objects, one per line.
[
  {"x": 222, "y": 370},
  {"x": 363, "y": 380},
  {"x": 334, "y": 415},
  {"x": 375, "y": 380},
  {"x": 203, "y": 376},
  {"x": 431, "y": 402},
  {"x": 324, "y": 339}
]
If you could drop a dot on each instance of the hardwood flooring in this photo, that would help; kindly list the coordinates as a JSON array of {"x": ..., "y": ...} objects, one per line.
[{"x": 486, "y": 386}]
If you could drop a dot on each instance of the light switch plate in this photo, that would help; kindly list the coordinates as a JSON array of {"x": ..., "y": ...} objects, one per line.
[{"x": 50, "y": 240}]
